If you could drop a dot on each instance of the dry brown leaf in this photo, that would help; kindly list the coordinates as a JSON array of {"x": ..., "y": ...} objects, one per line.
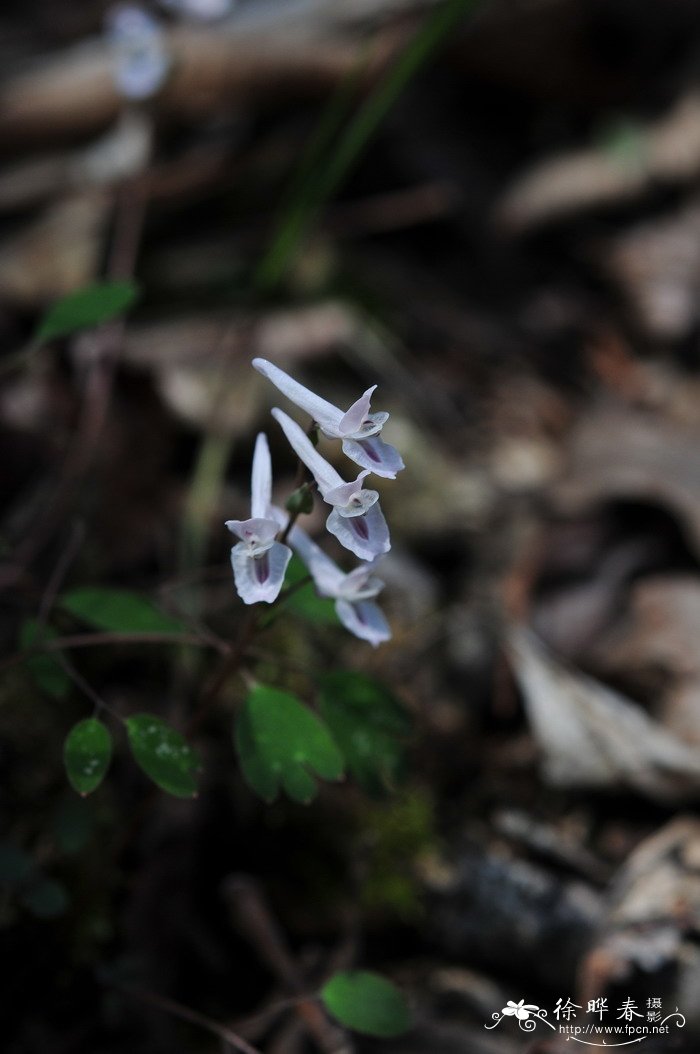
[
  {"x": 621, "y": 453},
  {"x": 650, "y": 924},
  {"x": 592, "y": 736},
  {"x": 669, "y": 150},
  {"x": 56, "y": 254}
]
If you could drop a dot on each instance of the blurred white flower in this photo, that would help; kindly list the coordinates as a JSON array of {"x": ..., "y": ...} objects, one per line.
[
  {"x": 139, "y": 51},
  {"x": 200, "y": 10}
]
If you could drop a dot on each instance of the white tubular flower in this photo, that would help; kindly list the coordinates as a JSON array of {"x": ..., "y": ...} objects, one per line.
[
  {"x": 259, "y": 562},
  {"x": 353, "y": 593},
  {"x": 356, "y": 520},
  {"x": 357, "y": 427},
  {"x": 139, "y": 52}
]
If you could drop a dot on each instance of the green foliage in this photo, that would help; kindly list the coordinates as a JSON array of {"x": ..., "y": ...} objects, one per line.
[
  {"x": 88, "y": 307},
  {"x": 45, "y": 898},
  {"x": 40, "y": 895},
  {"x": 280, "y": 743},
  {"x": 343, "y": 137},
  {"x": 118, "y": 611},
  {"x": 366, "y": 1002},
  {"x": 163, "y": 754},
  {"x": 87, "y": 753},
  {"x": 15, "y": 865},
  {"x": 305, "y": 601},
  {"x": 369, "y": 725},
  {"x": 72, "y": 824},
  {"x": 397, "y": 832},
  {"x": 45, "y": 671}
]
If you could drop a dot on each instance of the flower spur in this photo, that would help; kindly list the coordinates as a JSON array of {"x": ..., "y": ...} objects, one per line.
[
  {"x": 259, "y": 562},
  {"x": 357, "y": 427}
]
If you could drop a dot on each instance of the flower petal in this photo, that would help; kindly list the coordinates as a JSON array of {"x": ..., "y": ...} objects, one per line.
[
  {"x": 257, "y": 533},
  {"x": 328, "y": 577},
  {"x": 353, "y": 420},
  {"x": 261, "y": 479},
  {"x": 364, "y": 619},
  {"x": 350, "y": 499},
  {"x": 374, "y": 454},
  {"x": 324, "y": 413},
  {"x": 323, "y": 472},
  {"x": 259, "y": 578},
  {"x": 360, "y": 584},
  {"x": 366, "y": 536}
]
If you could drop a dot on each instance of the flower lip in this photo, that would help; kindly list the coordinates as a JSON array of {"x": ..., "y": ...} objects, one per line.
[
  {"x": 351, "y": 499},
  {"x": 257, "y": 533}
]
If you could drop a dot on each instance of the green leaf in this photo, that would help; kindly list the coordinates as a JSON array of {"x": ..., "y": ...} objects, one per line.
[
  {"x": 118, "y": 611},
  {"x": 281, "y": 743},
  {"x": 367, "y": 1003},
  {"x": 15, "y": 865},
  {"x": 72, "y": 823},
  {"x": 45, "y": 671},
  {"x": 86, "y": 308},
  {"x": 45, "y": 898},
  {"x": 87, "y": 753},
  {"x": 163, "y": 754},
  {"x": 305, "y": 601},
  {"x": 369, "y": 725}
]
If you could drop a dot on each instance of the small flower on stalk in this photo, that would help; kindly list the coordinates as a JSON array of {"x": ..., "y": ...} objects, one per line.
[
  {"x": 357, "y": 427},
  {"x": 356, "y": 520},
  {"x": 259, "y": 562},
  {"x": 353, "y": 593}
]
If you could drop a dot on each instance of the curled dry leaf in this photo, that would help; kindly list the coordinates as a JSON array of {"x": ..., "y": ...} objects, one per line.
[
  {"x": 619, "y": 453},
  {"x": 651, "y": 920},
  {"x": 657, "y": 264},
  {"x": 592, "y": 736},
  {"x": 595, "y": 176},
  {"x": 655, "y": 648}
]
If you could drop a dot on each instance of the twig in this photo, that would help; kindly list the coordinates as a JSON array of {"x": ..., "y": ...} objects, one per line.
[
  {"x": 59, "y": 573},
  {"x": 193, "y": 1017},
  {"x": 92, "y": 640},
  {"x": 229, "y": 666},
  {"x": 255, "y": 920}
]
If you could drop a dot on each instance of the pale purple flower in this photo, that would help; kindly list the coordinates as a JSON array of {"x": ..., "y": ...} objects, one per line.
[
  {"x": 353, "y": 593},
  {"x": 259, "y": 562},
  {"x": 357, "y": 427},
  {"x": 356, "y": 520},
  {"x": 139, "y": 52}
]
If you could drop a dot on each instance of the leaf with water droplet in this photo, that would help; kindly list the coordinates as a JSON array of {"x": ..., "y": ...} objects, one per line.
[
  {"x": 367, "y": 1003},
  {"x": 282, "y": 745},
  {"x": 87, "y": 753},
  {"x": 163, "y": 754}
]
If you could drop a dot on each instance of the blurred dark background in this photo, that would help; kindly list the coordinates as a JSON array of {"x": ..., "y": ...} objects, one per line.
[{"x": 511, "y": 251}]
